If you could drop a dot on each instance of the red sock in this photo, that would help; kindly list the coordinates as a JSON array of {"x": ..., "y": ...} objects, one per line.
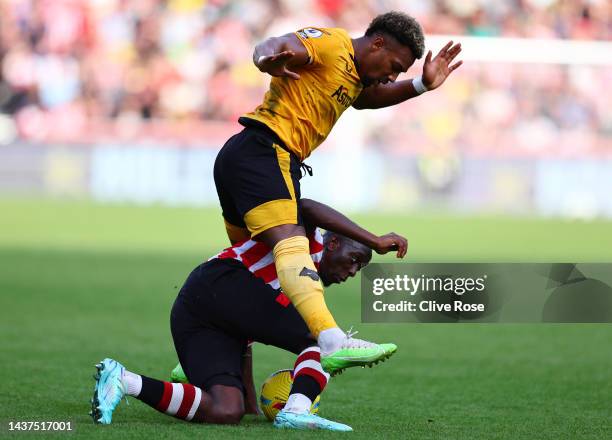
[
  {"x": 175, "y": 399},
  {"x": 309, "y": 378}
]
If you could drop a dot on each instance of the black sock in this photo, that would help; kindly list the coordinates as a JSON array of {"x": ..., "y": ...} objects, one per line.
[
  {"x": 152, "y": 391},
  {"x": 307, "y": 386}
]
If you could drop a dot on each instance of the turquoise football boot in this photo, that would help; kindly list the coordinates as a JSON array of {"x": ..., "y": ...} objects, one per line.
[
  {"x": 287, "y": 420},
  {"x": 108, "y": 391}
]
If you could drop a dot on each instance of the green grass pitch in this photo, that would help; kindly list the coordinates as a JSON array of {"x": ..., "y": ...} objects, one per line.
[{"x": 79, "y": 282}]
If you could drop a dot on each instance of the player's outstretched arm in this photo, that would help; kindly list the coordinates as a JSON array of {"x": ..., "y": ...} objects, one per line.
[
  {"x": 435, "y": 72},
  {"x": 278, "y": 55},
  {"x": 385, "y": 95},
  {"x": 321, "y": 215}
]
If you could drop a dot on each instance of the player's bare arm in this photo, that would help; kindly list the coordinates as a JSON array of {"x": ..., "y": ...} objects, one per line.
[
  {"x": 326, "y": 217},
  {"x": 278, "y": 55},
  {"x": 435, "y": 71}
]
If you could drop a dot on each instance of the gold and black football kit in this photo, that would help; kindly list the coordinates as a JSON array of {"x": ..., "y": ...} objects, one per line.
[
  {"x": 258, "y": 182},
  {"x": 295, "y": 117},
  {"x": 257, "y": 171},
  {"x": 302, "y": 112}
]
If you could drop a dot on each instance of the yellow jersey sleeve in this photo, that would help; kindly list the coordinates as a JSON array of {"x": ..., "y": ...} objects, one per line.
[
  {"x": 320, "y": 44},
  {"x": 302, "y": 112}
]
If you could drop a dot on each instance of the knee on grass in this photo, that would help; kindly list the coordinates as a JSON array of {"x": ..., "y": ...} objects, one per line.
[
  {"x": 225, "y": 407},
  {"x": 225, "y": 414}
]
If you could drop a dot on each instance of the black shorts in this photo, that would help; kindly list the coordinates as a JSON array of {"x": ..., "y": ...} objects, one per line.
[
  {"x": 257, "y": 180},
  {"x": 220, "y": 307}
]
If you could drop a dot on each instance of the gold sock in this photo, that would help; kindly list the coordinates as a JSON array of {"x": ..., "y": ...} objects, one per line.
[{"x": 300, "y": 281}]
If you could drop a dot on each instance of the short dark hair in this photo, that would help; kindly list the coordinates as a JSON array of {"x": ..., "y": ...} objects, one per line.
[
  {"x": 348, "y": 242},
  {"x": 404, "y": 28}
]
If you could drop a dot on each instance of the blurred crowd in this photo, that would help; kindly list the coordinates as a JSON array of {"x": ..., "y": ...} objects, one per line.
[{"x": 67, "y": 63}]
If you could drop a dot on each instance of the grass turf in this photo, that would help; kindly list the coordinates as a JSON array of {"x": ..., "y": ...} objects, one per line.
[{"x": 79, "y": 282}]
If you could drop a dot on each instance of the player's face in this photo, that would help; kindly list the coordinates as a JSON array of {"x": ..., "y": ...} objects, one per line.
[
  {"x": 340, "y": 261},
  {"x": 385, "y": 60}
]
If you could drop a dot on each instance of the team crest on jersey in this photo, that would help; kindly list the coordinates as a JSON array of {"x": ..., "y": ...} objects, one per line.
[
  {"x": 349, "y": 69},
  {"x": 310, "y": 33}
]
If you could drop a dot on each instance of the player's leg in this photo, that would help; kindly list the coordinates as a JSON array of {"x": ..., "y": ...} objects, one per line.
[
  {"x": 278, "y": 224},
  {"x": 236, "y": 305},
  {"x": 211, "y": 358},
  {"x": 299, "y": 280},
  {"x": 224, "y": 174},
  {"x": 278, "y": 323},
  {"x": 258, "y": 186},
  {"x": 114, "y": 381},
  {"x": 309, "y": 377},
  {"x": 309, "y": 380},
  {"x": 221, "y": 404},
  {"x": 212, "y": 362},
  {"x": 244, "y": 304},
  {"x": 298, "y": 276}
]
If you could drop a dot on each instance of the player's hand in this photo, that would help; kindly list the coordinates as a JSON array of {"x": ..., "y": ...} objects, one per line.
[
  {"x": 392, "y": 242},
  {"x": 276, "y": 65},
  {"x": 437, "y": 70}
]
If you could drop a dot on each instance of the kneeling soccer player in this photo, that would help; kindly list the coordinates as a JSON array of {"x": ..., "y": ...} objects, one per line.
[{"x": 233, "y": 298}]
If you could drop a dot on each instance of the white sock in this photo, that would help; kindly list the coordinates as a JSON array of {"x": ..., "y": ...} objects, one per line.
[
  {"x": 330, "y": 340},
  {"x": 132, "y": 383},
  {"x": 298, "y": 403}
]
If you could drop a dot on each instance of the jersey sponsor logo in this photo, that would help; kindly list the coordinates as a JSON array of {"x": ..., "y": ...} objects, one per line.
[
  {"x": 342, "y": 96},
  {"x": 310, "y": 274},
  {"x": 311, "y": 33},
  {"x": 348, "y": 68}
]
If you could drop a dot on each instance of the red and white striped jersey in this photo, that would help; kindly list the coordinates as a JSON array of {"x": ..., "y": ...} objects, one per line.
[{"x": 258, "y": 258}]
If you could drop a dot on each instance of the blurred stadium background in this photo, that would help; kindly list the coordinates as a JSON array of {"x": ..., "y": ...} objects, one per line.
[
  {"x": 111, "y": 114},
  {"x": 128, "y": 101}
]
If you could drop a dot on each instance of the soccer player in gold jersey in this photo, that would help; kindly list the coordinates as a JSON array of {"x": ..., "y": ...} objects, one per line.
[{"x": 317, "y": 73}]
